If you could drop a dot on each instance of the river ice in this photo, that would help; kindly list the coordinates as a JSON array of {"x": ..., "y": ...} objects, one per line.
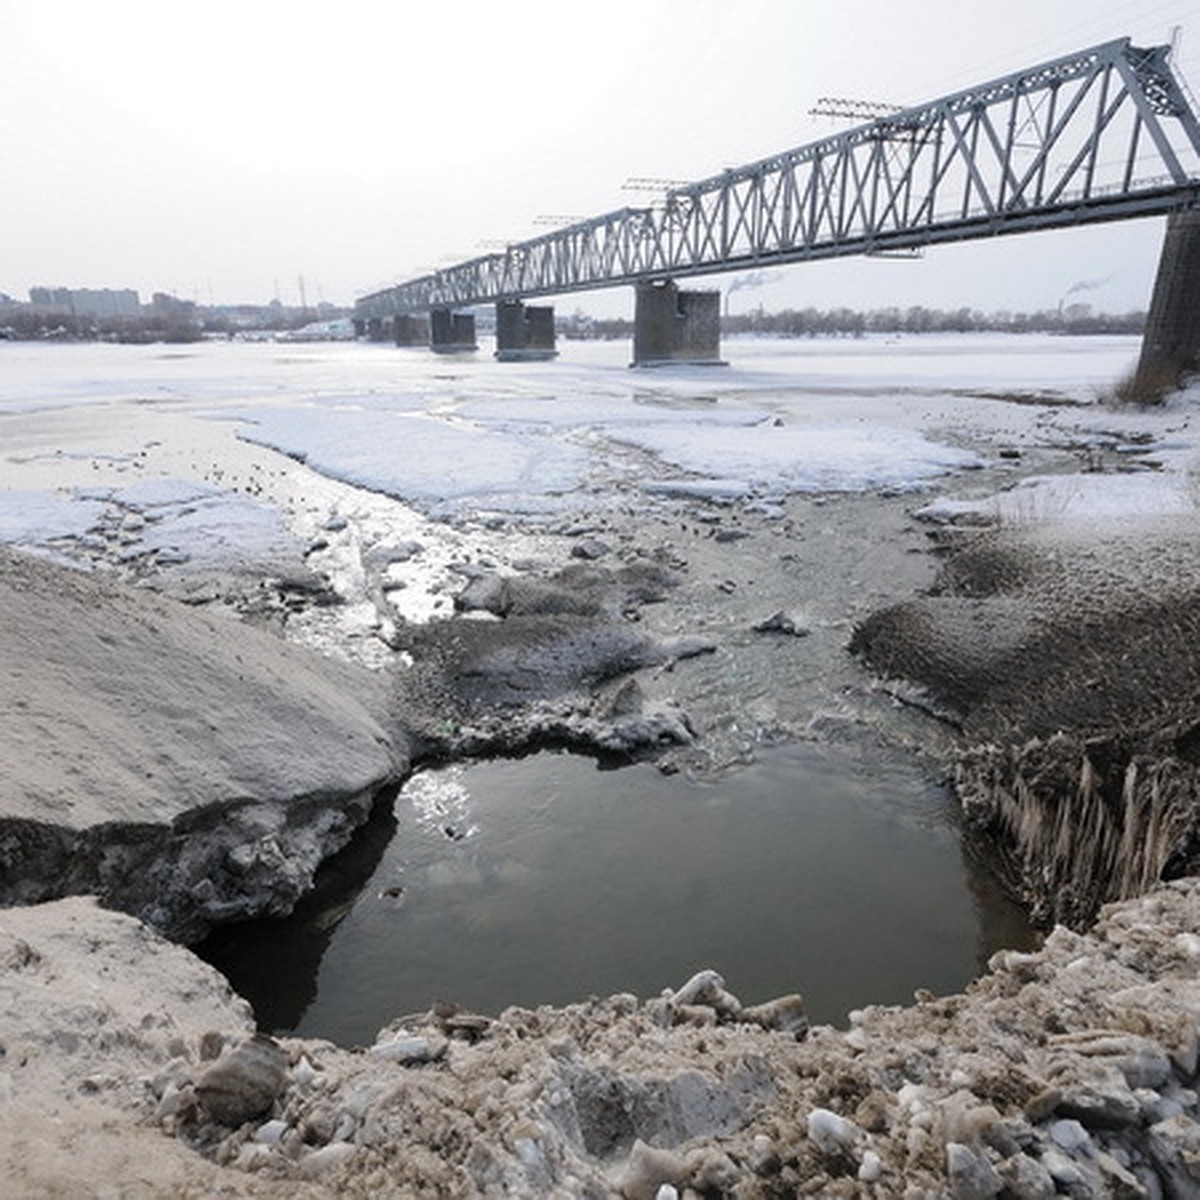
[{"x": 459, "y": 436}]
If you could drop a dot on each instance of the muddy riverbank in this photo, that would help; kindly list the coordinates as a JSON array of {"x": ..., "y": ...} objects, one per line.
[{"x": 1065, "y": 656}]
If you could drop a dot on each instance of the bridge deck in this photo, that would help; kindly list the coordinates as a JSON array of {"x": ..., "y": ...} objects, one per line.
[{"x": 1105, "y": 134}]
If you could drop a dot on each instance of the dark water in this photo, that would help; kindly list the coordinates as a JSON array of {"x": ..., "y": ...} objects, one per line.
[{"x": 547, "y": 879}]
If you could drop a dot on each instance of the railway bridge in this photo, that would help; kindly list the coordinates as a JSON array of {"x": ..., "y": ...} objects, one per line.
[{"x": 1105, "y": 134}]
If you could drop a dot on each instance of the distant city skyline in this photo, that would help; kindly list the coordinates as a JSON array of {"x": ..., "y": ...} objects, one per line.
[
  {"x": 119, "y": 301},
  {"x": 253, "y": 152},
  {"x": 106, "y": 303}
]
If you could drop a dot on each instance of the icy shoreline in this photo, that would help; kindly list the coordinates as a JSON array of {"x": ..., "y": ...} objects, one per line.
[
  {"x": 1064, "y": 656},
  {"x": 1072, "y": 1070},
  {"x": 663, "y": 626}
]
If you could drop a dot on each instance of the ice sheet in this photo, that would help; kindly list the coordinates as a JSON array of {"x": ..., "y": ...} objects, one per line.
[
  {"x": 773, "y": 458},
  {"x": 458, "y": 436},
  {"x": 1073, "y": 497},
  {"x": 29, "y": 518},
  {"x": 439, "y": 465}
]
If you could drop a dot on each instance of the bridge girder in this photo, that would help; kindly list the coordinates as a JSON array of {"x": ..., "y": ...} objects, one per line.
[{"x": 1104, "y": 134}]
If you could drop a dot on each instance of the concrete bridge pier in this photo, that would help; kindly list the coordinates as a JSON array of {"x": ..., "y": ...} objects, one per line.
[
  {"x": 451, "y": 332},
  {"x": 1171, "y": 343},
  {"x": 670, "y": 326},
  {"x": 524, "y": 333},
  {"x": 409, "y": 330}
]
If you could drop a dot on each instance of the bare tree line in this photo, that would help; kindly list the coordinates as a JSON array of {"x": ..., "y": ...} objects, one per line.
[{"x": 848, "y": 322}]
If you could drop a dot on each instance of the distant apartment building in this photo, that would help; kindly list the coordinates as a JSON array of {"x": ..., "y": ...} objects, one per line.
[
  {"x": 100, "y": 304},
  {"x": 45, "y": 297}
]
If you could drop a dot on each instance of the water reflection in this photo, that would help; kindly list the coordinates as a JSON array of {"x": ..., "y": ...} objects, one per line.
[{"x": 1003, "y": 924}]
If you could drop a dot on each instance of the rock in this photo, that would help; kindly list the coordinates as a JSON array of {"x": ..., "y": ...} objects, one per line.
[
  {"x": 781, "y": 622},
  {"x": 1026, "y": 1178},
  {"x": 1146, "y": 1067},
  {"x": 410, "y": 1051},
  {"x": 1141, "y": 1061},
  {"x": 590, "y": 549},
  {"x": 176, "y": 1102},
  {"x": 244, "y": 1082},
  {"x": 784, "y": 1014},
  {"x": 693, "y": 1014},
  {"x": 1099, "y": 1105},
  {"x": 710, "y": 1172},
  {"x": 1002, "y": 1136},
  {"x": 383, "y": 556},
  {"x": 1071, "y": 1137},
  {"x": 971, "y": 1175},
  {"x": 212, "y": 1042},
  {"x": 707, "y": 989},
  {"x": 648, "y": 1169},
  {"x": 304, "y": 1074},
  {"x": 1063, "y": 1169},
  {"x": 486, "y": 593},
  {"x": 830, "y": 1133},
  {"x": 1117, "y": 1180},
  {"x": 270, "y": 1132},
  {"x": 702, "y": 988},
  {"x": 870, "y": 1170},
  {"x": 468, "y": 1027},
  {"x": 1174, "y": 1146},
  {"x": 320, "y": 1122}
]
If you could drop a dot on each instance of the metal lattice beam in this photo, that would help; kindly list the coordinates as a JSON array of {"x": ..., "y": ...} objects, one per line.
[{"x": 1104, "y": 134}]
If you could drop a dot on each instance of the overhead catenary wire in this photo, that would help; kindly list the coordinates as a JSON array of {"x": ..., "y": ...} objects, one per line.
[{"x": 1145, "y": 23}]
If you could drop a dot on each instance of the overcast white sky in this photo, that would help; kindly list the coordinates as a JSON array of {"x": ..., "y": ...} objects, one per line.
[{"x": 222, "y": 150}]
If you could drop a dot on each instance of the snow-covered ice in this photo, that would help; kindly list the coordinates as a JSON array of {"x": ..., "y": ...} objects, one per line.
[
  {"x": 777, "y": 459},
  {"x": 435, "y": 464},
  {"x": 31, "y": 518},
  {"x": 1073, "y": 497},
  {"x": 455, "y": 438}
]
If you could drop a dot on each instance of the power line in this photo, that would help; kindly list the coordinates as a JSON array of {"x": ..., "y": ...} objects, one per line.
[{"x": 1073, "y": 34}]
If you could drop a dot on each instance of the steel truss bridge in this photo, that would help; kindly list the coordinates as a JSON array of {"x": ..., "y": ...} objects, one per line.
[{"x": 1101, "y": 135}]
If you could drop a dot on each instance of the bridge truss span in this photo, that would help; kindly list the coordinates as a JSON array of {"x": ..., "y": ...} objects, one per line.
[{"x": 1103, "y": 134}]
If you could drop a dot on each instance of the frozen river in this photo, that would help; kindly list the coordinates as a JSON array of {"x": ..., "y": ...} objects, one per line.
[{"x": 791, "y": 849}]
